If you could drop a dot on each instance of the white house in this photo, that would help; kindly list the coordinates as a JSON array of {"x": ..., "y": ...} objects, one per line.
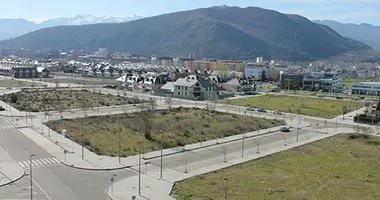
[{"x": 192, "y": 87}]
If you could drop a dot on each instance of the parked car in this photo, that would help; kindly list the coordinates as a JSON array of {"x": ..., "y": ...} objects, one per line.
[
  {"x": 2, "y": 108},
  {"x": 8, "y": 88},
  {"x": 251, "y": 109},
  {"x": 276, "y": 112},
  {"x": 113, "y": 86},
  {"x": 284, "y": 129},
  {"x": 261, "y": 110}
]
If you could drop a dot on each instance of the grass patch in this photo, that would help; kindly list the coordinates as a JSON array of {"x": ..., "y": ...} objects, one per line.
[
  {"x": 176, "y": 127},
  {"x": 14, "y": 83},
  {"x": 38, "y": 100},
  {"x": 347, "y": 82},
  {"x": 343, "y": 167},
  {"x": 325, "y": 108}
]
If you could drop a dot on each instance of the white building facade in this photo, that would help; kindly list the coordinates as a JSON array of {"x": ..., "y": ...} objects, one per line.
[{"x": 366, "y": 88}]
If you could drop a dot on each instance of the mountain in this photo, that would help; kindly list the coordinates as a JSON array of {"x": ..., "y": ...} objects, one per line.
[
  {"x": 216, "y": 32},
  {"x": 16, "y": 27},
  {"x": 365, "y": 33}
]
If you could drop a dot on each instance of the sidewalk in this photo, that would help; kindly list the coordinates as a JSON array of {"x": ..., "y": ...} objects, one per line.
[
  {"x": 153, "y": 188},
  {"x": 10, "y": 170}
]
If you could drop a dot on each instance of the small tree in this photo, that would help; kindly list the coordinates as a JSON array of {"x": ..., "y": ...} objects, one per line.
[
  {"x": 146, "y": 115},
  {"x": 85, "y": 105},
  {"x": 263, "y": 76},
  {"x": 169, "y": 101}
]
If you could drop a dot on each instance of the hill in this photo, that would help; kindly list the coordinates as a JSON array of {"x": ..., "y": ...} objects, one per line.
[
  {"x": 365, "y": 33},
  {"x": 216, "y": 32},
  {"x": 15, "y": 27}
]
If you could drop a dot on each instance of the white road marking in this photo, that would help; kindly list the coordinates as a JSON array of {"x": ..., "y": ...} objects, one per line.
[
  {"x": 40, "y": 163},
  {"x": 20, "y": 163}
]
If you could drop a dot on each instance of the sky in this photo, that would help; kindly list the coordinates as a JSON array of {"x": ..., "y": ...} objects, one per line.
[{"x": 354, "y": 11}]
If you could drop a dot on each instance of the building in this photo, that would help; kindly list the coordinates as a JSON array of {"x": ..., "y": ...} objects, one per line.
[
  {"x": 232, "y": 85},
  {"x": 259, "y": 60},
  {"x": 192, "y": 87},
  {"x": 325, "y": 81},
  {"x": 43, "y": 72},
  {"x": 366, "y": 88},
  {"x": 291, "y": 81},
  {"x": 254, "y": 70}
]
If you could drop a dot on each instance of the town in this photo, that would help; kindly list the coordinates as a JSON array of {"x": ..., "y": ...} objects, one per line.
[{"x": 224, "y": 102}]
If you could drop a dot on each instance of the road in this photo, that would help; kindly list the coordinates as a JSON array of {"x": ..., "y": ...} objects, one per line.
[{"x": 52, "y": 180}]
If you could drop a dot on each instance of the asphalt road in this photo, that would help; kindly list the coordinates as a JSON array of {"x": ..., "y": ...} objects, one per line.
[{"x": 54, "y": 180}]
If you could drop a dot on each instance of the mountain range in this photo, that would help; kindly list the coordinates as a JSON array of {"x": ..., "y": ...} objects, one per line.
[
  {"x": 15, "y": 27},
  {"x": 220, "y": 32},
  {"x": 365, "y": 33}
]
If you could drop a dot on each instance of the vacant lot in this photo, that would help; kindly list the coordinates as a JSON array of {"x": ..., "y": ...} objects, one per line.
[
  {"x": 40, "y": 100},
  {"x": 334, "y": 168},
  {"x": 169, "y": 129},
  {"x": 317, "y": 107},
  {"x": 14, "y": 83}
]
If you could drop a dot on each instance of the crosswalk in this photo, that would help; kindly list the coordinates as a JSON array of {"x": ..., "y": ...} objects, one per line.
[
  {"x": 39, "y": 162},
  {"x": 6, "y": 126}
]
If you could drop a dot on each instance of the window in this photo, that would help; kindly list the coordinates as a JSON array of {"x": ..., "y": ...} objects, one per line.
[
  {"x": 185, "y": 88},
  {"x": 179, "y": 93}
]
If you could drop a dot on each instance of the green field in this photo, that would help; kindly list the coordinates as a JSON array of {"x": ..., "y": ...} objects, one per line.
[
  {"x": 347, "y": 83},
  {"x": 317, "y": 107},
  {"x": 169, "y": 129},
  {"x": 341, "y": 168},
  {"x": 14, "y": 83}
]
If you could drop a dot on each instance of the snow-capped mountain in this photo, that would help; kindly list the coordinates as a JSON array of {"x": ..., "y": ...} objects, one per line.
[
  {"x": 16, "y": 27},
  {"x": 87, "y": 19}
]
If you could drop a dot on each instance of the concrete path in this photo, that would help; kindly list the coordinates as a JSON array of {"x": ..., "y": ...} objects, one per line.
[
  {"x": 154, "y": 188},
  {"x": 10, "y": 170}
]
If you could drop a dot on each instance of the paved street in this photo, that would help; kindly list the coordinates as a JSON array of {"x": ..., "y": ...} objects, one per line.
[{"x": 51, "y": 180}]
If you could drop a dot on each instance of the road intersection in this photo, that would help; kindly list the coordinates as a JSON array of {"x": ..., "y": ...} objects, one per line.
[{"x": 60, "y": 176}]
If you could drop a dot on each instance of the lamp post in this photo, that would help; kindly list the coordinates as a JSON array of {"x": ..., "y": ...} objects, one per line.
[
  {"x": 82, "y": 135},
  {"x": 225, "y": 189},
  {"x": 119, "y": 147},
  {"x": 31, "y": 176},
  {"x": 140, "y": 167}
]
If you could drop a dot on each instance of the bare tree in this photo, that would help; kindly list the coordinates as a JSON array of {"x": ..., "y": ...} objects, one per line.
[
  {"x": 56, "y": 81},
  {"x": 85, "y": 105},
  {"x": 146, "y": 114},
  {"x": 169, "y": 101},
  {"x": 212, "y": 102},
  {"x": 60, "y": 106}
]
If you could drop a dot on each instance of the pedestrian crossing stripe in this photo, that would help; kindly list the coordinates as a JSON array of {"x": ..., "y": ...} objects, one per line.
[
  {"x": 6, "y": 126},
  {"x": 39, "y": 162}
]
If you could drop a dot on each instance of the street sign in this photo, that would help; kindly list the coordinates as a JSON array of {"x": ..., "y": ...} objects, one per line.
[
  {"x": 133, "y": 197},
  {"x": 112, "y": 179}
]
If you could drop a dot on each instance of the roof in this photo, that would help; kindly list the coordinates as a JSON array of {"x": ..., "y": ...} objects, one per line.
[
  {"x": 366, "y": 83},
  {"x": 185, "y": 82},
  {"x": 233, "y": 82},
  {"x": 41, "y": 69},
  {"x": 168, "y": 86}
]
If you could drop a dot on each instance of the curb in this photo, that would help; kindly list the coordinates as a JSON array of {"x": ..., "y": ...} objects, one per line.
[
  {"x": 95, "y": 169},
  {"x": 210, "y": 145},
  {"x": 14, "y": 180}
]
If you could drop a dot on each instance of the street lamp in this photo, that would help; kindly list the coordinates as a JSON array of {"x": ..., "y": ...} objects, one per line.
[
  {"x": 140, "y": 167},
  {"x": 31, "y": 176},
  {"x": 119, "y": 147},
  {"x": 225, "y": 190}
]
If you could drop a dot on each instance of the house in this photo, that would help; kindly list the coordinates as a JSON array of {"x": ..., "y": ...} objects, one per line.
[
  {"x": 43, "y": 72},
  {"x": 232, "y": 85},
  {"x": 192, "y": 87},
  {"x": 366, "y": 88}
]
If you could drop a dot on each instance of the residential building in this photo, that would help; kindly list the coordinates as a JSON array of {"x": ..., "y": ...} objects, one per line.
[
  {"x": 192, "y": 87},
  {"x": 259, "y": 60},
  {"x": 254, "y": 70},
  {"x": 366, "y": 88},
  {"x": 325, "y": 81},
  {"x": 232, "y": 85}
]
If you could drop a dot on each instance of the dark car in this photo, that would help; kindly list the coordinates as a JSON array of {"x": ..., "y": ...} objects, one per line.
[
  {"x": 251, "y": 109},
  {"x": 261, "y": 110},
  {"x": 1, "y": 108}
]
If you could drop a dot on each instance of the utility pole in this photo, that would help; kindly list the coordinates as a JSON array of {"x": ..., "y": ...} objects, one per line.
[
  {"x": 140, "y": 168},
  {"x": 31, "y": 176},
  {"x": 242, "y": 146},
  {"x": 119, "y": 147},
  {"x": 226, "y": 190},
  {"x": 162, "y": 149},
  {"x": 298, "y": 121},
  {"x": 82, "y": 141}
]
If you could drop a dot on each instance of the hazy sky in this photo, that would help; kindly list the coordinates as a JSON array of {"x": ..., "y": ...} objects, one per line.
[{"x": 356, "y": 11}]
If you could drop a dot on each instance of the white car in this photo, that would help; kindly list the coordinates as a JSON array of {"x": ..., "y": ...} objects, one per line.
[
  {"x": 276, "y": 112},
  {"x": 284, "y": 129}
]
